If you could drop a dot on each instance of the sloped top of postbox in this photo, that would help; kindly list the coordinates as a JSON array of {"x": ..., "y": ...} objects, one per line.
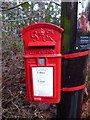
[{"x": 43, "y": 24}]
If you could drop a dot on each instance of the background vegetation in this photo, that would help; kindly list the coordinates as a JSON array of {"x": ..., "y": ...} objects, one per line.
[{"x": 13, "y": 18}]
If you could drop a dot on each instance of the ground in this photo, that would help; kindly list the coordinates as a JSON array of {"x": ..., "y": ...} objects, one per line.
[{"x": 14, "y": 99}]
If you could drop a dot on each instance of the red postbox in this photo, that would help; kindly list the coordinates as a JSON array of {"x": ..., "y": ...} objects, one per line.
[{"x": 42, "y": 46}]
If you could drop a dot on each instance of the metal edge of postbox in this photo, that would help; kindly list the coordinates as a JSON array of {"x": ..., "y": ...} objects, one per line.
[{"x": 41, "y": 24}]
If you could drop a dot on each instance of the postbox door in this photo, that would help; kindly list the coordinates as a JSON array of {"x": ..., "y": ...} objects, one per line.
[{"x": 43, "y": 80}]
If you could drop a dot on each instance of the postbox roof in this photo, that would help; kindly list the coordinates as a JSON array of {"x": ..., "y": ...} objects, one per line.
[{"x": 42, "y": 24}]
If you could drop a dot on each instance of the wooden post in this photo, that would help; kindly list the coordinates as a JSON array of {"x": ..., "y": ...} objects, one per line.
[{"x": 74, "y": 69}]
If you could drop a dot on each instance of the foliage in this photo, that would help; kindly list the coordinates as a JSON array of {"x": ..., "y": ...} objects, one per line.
[{"x": 14, "y": 17}]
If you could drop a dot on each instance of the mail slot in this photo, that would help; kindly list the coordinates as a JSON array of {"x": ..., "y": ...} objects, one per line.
[{"x": 42, "y": 47}]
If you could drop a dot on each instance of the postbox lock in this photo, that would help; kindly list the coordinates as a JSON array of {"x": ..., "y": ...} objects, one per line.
[{"x": 41, "y": 61}]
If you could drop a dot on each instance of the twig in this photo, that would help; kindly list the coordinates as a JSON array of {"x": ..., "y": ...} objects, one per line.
[{"x": 15, "y": 6}]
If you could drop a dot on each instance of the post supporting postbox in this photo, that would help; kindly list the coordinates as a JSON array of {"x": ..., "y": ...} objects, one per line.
[{"x": 73, "y": 66}]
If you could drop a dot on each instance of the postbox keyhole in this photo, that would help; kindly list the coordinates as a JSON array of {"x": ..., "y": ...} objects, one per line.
[{"x": 41, "y": 61}]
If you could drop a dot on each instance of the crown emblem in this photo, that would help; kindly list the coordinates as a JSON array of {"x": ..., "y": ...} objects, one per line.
[{"x": 41, "y": 32}]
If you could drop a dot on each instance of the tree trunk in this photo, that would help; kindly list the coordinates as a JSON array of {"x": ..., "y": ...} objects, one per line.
[{"x": 73, "y": 69}]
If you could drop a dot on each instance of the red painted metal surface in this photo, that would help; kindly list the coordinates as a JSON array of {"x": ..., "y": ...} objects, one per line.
[
  {"x": 70, "y": 89},
  {"x": 78, "y": 54},
  {"x": 42, "y": 46}
]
